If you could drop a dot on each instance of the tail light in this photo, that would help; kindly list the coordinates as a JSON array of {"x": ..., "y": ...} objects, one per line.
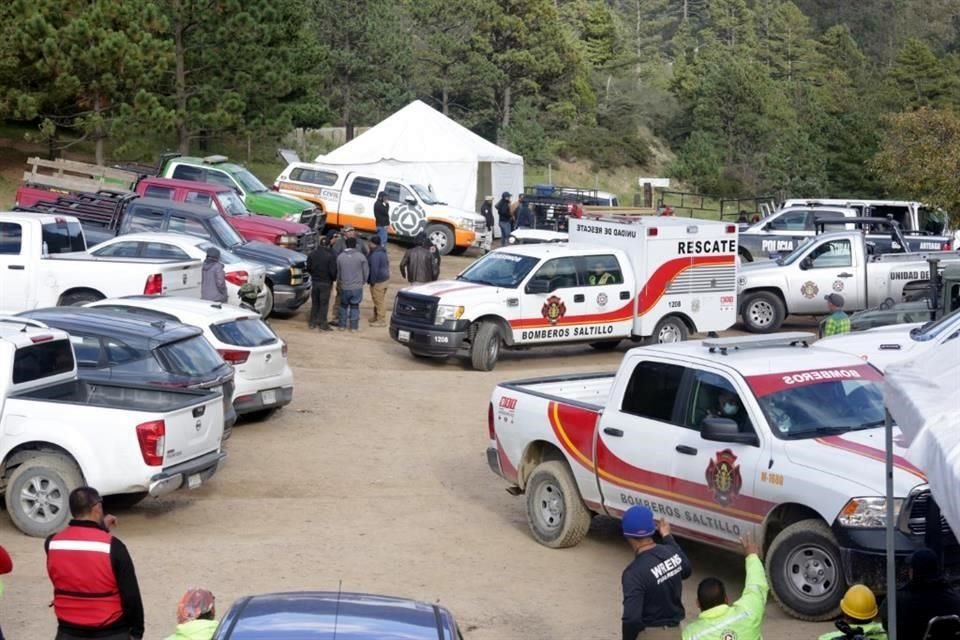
[
  {"x": 731, "y": 228},
  {"x": 154, "y": 285},
  {"x": 274, "y": 187},
  {"x": 238, "y": 278},
  {"x": 283, "y": 350},
  {"x": 652, "y": 232},
  {"x": 234, "y": 356},
  {"x": 946, "y": 246},
  {"x": 490, "y": 429},
  {"x": 152, "y": 438},
  {"x": 43, "y": 338}
]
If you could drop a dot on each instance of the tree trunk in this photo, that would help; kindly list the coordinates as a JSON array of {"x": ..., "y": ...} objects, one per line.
[
  {"x": 505, "y": 113},
  {"x": 446, "y": 99},
  {"x": 685, "y": 8},
  {"x": 99, "y": 135},
  {"x": 180, "y": 84},
  {"x": 348, "y": 125}
]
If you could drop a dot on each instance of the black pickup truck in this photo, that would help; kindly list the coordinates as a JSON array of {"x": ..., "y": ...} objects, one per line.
[{"x": 106, "y": 214}]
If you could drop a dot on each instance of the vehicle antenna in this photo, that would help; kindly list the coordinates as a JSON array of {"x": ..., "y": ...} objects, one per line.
[{"x": 336, "y": 610}]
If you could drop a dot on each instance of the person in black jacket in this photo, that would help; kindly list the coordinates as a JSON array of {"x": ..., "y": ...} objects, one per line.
[
  {"x": 926, "y": 595},
  {"x": 322, "y": 267},
  {"x": 381, "y": 216},
  {"x": 653, "y": 582},
  {"x": 95, "y": 589},
  {"x": 505, "y": 218},
  {"x": 486, "y": 210},
  {"x": 524, "y": 214}
]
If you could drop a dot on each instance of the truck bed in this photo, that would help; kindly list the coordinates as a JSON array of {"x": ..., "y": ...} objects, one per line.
[
  {"x": 588, "y": 390},
  {"x": 116, "y": 396}
]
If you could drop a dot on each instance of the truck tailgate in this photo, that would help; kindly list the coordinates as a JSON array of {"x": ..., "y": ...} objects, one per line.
[
  {"x": 181, "y": 278},
  {"x": 585, "y": 389},
  {"x": 193, "y": 431}
]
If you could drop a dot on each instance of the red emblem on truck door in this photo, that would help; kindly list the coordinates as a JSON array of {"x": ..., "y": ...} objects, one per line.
[
  {"x": 723, "y": 476},
  {"x": 553, "y": 309}
]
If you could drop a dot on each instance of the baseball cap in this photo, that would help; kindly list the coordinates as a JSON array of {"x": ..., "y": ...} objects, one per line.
[
  {"x": 638, "y": 522},
  {"x": 506, "y": 194},
  {"x": 348, "y": 227},
  {"x": 835, "y": 299},
  {"x": 213, "y": 252}
]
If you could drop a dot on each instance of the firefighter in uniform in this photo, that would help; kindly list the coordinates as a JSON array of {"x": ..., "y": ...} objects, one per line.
[{"x": 95, "y": 590}]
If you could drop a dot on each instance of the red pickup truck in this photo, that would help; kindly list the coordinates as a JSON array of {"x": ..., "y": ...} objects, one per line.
[{"x": 290, "y": 235}]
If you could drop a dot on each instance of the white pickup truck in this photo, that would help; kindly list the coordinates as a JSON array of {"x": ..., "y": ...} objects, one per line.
[
  {"x": 44, "y": 262},
  {"x": 728, "y": 436},
  {"x": 839, "y": 262},
  {"x": 58, "y": 432}
]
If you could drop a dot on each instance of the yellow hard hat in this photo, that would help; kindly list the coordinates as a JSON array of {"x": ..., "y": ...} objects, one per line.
[{"x": 859, "y": 603}]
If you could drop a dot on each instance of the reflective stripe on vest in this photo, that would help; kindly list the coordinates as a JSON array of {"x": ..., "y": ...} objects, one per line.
[{"x": 85, "y": 591}]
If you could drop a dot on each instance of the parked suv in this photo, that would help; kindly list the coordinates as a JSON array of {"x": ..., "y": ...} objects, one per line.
[{"x": 115, "y": 348}]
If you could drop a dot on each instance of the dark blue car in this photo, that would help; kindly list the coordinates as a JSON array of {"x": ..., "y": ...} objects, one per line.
[{"x": 325, "y": 615}]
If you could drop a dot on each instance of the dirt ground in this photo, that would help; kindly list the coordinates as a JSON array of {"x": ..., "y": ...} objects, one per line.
[{"x": 375, "y": 479}]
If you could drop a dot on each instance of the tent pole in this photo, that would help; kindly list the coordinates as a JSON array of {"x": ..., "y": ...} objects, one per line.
[{"x": 891, "y": 557}]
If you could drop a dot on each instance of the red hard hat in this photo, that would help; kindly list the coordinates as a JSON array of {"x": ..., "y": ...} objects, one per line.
[{"x": 194, "y": 604}]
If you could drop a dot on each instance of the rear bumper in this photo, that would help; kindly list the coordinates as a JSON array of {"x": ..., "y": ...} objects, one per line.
[
  {"x": 493, "y": 461},
  {"x": 290, "y": 297},
  {"x": 438, "y": 342},
  {"x": 267, "y": 398},
  {"x": 189, "y": 474}
]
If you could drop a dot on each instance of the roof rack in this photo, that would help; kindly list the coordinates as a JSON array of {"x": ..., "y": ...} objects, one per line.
[
  {"x": 785, "y": 339},
  {"x": 216, "y": 159}
]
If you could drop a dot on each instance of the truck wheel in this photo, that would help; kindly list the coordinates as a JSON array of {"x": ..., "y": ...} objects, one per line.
[
  {"x": 762, "y": 312},
  {"x": 266, "y": 308},
  {"x": 38, "y": 493},
  {"x": 606, "y": 345},
  {"x": 805, "y": 572},
  {"x": 485, "y": 347},
  {"x": 670, "y": 329},
  {"x": 555, "y": 512},
  {"x": 79, "y": 298},
  {"x": 442, "y": 237}
]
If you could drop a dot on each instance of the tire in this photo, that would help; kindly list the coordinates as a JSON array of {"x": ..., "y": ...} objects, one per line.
[
  {"x": 124, "y": 501},
  {"x": 670, "y": 329},
  {"x": 606, "y": 345},
  {"x": 442, "y": 237},
  {"x": 267, "y": 307},
  {"x": 805, "y": 571},
  {"x": 458, "y": 251},
  {"x": 555, "y": 511},
  {"x": 485, "y": 347},
  {"x": 51, "y": 476},
  {"x": 762, "y": 312},
  {"x": 79, "y": 298}
]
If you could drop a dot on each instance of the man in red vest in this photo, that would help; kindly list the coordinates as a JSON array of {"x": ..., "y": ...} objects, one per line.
[{"x": 95, "y": 590}]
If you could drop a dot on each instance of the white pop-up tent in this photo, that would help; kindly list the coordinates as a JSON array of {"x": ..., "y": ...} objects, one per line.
[{"x": 423, "y": 146}]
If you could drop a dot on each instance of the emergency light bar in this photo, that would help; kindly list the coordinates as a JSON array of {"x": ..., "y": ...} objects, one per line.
[{"x": 785, "y": 339}]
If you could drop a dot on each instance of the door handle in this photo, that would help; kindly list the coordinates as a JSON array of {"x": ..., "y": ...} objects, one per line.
[
  {"x": 624, "y": 295},
  {"x": 616, "y": 433},
  {"x": 15, "y": 267},
  {"x": 579, "y": 297},
  {"x": 684, "y": 449},
  {"x": 844, "y": 275}
]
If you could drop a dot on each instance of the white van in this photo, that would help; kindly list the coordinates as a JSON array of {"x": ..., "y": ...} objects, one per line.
[{"x": 347, "y": 197}]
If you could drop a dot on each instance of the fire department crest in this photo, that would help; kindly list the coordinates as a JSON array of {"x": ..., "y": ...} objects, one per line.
[
  {"x": 723, "y": 476},
  {"x": 602, "y": 299},
  {"x": 553, "y": 309},
  {"x": 838, "y": 285},
  {"x": 809, "y": 290}
]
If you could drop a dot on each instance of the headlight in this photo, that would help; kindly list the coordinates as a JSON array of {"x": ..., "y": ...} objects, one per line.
[
  {"x": 292, "y": 217},
  {"x": 287, "y": 240},
  {"x": 868, "y": 513},
  {"x": 448, "y": 312},
  {"x": 465, "y": 223}
]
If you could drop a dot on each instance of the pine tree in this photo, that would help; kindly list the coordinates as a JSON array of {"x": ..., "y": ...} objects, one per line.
[{"x": 918, "y": 77}]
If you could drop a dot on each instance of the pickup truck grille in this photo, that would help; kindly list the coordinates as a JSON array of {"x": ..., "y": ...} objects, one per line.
[
  {"x": 415, "y": 307},
  {"x": 917, "y": 520},
  {"x": 307, "y": 242},
  {"x": 310, "y": 218}
]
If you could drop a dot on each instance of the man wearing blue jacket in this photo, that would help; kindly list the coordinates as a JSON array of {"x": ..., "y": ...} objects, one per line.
[{"x": 379, "y": 276}]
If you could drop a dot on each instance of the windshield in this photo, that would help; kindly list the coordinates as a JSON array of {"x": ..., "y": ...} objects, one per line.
[
  {"x": 810, "y": 404},
  {"x": 249, "y": 181},
  {"x": 232, "y": 203},
  {"x": 934, "y": 328},
  {"x": 499, "y": 269},
  {"x": 799, "y": 251},
  {"x": 425, "y": 194},
  {"x": 227, "y": 234}
]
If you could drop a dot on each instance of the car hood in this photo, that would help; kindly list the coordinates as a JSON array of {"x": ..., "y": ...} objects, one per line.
[
  {"x": 457, "y": 292},
  {"x": 275, "y": 204},
  {"x": 266, "y": 224},
  {"x": 264, "y": 253},
  {"x": 879, "y": 346},
  {"x": 857, "y": 457},
  {"x": 446, "y": 211}
]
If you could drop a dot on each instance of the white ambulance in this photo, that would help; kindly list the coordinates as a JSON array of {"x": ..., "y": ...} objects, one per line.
[{"x": 625, "y": 277}]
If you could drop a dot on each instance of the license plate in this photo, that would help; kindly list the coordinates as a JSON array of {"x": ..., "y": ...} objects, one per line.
[
  {"x": 269, "y": 397},
  {"x": 403, "y": 336},
  {"x": 193, "y": 481}
]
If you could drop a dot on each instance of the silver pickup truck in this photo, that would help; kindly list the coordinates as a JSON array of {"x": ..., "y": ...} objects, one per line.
[{"x": 841, "y": 262}]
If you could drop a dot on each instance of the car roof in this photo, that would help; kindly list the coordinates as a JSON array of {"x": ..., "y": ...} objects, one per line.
[
  {"x": 315, "y": 615},
  {"x": 552, "y": 250},
  {"x": 157, "y": 236},
  {"x": 141, "y": 332},
  {"x": 756, "y": 360},
  {"x": 183, "y": 307},
  {"x": 203, "y": 162},
  {"x": 188, "y": 184},
  {"x": 200, "y": 211}
]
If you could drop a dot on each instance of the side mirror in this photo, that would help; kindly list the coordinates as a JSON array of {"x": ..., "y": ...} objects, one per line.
[
  {"x": 411, "y": 201},
  {"x": 538, "y": 286},
  {"x": 805, "y": 264},
  {"x": 718, "y": 429}
]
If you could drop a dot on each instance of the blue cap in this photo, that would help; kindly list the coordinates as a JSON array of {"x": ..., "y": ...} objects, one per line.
[{"x": 638, "y": 522}]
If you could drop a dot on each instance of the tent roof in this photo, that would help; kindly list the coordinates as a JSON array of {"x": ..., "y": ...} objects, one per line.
[{"x": 418, "y": 133}]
